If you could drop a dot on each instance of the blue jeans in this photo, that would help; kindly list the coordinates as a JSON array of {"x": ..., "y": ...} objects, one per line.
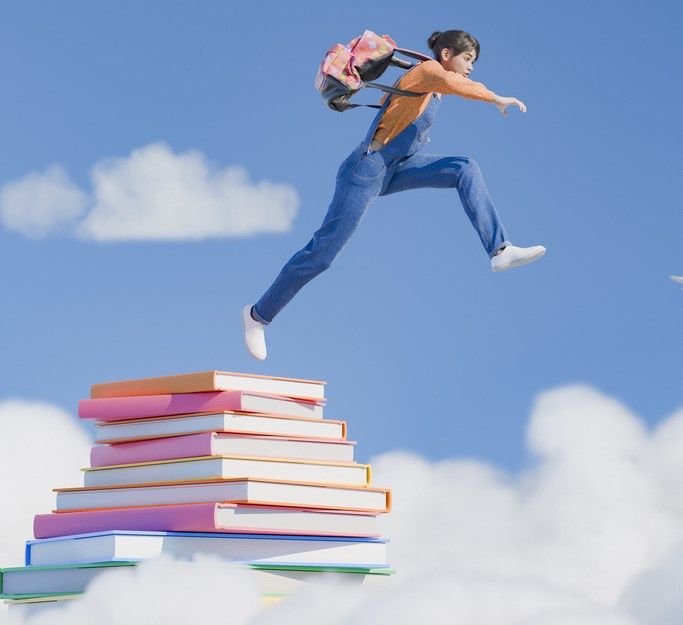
[{"x": 362, "y": 177}]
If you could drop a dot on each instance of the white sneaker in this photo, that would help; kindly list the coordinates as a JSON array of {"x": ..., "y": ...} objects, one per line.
[
  {"x": 254, "y": 334},
  {"x": 513, "y": 256}
]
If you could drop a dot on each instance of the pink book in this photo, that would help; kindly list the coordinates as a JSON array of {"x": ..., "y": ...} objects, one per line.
[
  {"x": 208, "y": 517},
  {"x": 217, "y": 444},
  {"x": 144, "y": 406}
]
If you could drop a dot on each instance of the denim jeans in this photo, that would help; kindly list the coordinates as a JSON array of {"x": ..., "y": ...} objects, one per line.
[{"x": 362, "y": 177}]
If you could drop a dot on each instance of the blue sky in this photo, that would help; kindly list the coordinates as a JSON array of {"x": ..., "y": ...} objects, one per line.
[{"x": 423, "y": 347}]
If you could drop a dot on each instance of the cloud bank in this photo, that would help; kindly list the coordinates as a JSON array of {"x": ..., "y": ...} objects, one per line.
[
  {"x": 591, "y": 533},
  {"x": 152, "y": 194}
]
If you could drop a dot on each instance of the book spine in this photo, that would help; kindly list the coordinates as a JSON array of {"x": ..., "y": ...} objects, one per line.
[{"x": 186, "y": 383}]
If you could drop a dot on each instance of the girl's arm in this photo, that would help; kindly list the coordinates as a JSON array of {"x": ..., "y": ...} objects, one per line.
[{"x": 431, "y": 76}]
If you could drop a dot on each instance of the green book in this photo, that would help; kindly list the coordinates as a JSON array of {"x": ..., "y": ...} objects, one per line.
[
  {"x": 54, "y": 581},
  {"x": 63, "y": 579}
]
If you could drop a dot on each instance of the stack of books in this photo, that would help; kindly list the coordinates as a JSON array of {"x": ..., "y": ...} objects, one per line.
[{"x": 239, "y": 466}]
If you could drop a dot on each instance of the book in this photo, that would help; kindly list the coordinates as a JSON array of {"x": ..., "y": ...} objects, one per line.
[
  {"x": 28, "y": 581},
  {"x": 64, "y": 581},
  {"x": 220, "y": 443},
  {"x": 235, "y": 490},
  {"x": 208, "y": 517},
  {"x": 267, "y": 425},
  {"x": 142, "y": 406},
  {"x": 203, "y": 381},
  {"x": 112, "y": 546},
  {"x": 215, "y": 467}
]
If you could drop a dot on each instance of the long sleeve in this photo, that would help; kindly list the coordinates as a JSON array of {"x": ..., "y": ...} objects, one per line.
[{"x": 431, "y": 76}]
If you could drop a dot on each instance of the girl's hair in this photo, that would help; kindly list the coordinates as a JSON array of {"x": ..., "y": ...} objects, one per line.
[{"x": 457, "y": 41}]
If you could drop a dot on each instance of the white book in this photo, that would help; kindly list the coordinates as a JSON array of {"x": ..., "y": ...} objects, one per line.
[
  {"x": 141, "y": 429},
  {"x": 221, "y": 444},
  {"x": 217, "y": 467},
  {"x": 115, "y": 546},
  {"x": 236, "y": 490}
]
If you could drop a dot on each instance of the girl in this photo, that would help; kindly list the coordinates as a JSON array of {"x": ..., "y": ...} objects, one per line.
[{"x": 389, "y": 160}]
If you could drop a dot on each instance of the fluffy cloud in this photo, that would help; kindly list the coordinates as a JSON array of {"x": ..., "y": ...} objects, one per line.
[
  {"x": 41, "y": 203},
  {"x": 152, "y": 194},
  {"x": 591, "y": 533},
  {"x": 41, "y": 447}
]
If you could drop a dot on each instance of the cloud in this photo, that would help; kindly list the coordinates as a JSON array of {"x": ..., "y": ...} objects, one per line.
[
  {"x": 41, "y": 203},
  {"x": 41, "y": 447},
  {"x": 152, "y": 194},
  {"x": 590, "y": 533}
]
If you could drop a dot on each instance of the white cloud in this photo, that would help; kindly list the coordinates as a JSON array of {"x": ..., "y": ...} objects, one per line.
[
  {"x": 41, "y": 203},
  {"x": 590, "y": 534},
  {"x": 41, "y": 447},
  {"x": 152, "y": 194}
]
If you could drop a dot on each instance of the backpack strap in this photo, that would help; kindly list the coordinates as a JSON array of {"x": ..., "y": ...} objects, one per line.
[
  {"x": 394, "y": 90},
  {"x": 413, "y": 54},
  {"x": 384, "y": 88}
]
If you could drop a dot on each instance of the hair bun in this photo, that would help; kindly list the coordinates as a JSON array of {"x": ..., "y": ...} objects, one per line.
[{"x": 431, "y": 42}]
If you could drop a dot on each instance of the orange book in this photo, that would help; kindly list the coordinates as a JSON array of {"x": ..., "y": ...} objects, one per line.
[{"x": 206, "y": 381}]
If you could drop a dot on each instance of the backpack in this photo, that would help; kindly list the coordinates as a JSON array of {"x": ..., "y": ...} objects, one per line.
[{"x": 346, "y": 69}]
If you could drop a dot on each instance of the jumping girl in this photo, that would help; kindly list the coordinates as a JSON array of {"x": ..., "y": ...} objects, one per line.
[{"x": 389, "y": 160}]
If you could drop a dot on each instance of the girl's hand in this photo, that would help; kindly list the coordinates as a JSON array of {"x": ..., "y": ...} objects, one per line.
[{"x": 502, "y": 103}]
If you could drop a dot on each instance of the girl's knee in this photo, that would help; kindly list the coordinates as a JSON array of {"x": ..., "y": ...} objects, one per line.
[
  {"x": 469, "y": 169},
  {"x": 322, "y": 256},
  {"x": 470, "y": 166}
]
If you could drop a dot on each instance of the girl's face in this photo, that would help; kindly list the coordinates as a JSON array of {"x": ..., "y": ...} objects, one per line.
[{"x": 460, "y": 64}]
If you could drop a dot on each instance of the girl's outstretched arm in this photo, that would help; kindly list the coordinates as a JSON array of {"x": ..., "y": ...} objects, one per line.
[{"x": 430, "y": 76}]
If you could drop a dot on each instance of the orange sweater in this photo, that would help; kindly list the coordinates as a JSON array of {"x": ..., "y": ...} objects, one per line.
[{"x": 426, "y": 77}]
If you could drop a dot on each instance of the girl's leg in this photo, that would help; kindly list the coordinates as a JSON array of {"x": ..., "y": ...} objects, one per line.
[
  {"x": 463, "y": 174},
  {"x": 352, "y": 196}
]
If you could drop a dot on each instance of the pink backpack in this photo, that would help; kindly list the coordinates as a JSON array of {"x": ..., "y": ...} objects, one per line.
[{"x": 346, "y": 69}]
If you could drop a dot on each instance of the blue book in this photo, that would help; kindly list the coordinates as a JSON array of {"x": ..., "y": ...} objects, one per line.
[{"x": 115, "y": 546}]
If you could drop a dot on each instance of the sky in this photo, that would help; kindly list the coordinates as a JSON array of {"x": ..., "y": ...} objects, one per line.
[{"x": 163, "y": 160}]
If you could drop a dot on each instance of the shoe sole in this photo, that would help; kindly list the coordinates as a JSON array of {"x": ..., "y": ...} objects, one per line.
[{"x": 519, "y": 263}]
